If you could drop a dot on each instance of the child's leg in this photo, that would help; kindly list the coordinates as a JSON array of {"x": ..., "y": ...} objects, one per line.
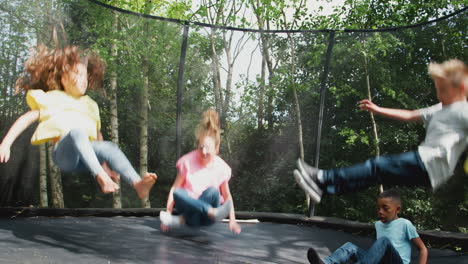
[
  {"x": 405, "y": 168},
  {"x": 117, "y": 161},
  {"x": 191, "y": 209},
  {"x": 74, "y": 151},
  {"x": 168, "y": 220},
  {"x": 382, "y": 251},
  {"x": 197, "y": 212},
  {"x": 210, "y": 196},
  {"x": 346, "y": 252},
  {"x": 109, "y": 152}
]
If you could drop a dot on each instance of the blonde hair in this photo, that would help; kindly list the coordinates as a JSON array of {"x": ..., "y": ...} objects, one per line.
[
  {"x": 454, "y": 71},
  {"x": 209, "y": 126},
  {"x": 45, "y": 67}
]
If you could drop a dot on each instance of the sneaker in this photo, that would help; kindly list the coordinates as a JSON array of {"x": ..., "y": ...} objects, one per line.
[
  {"x": 168, "y": 219},
  {"x": 313, "y": 257},
  {"x": 313, "y": 191},
  {"x": 308, "y": 170},
  {"x": 223, "y": 211},
  {"x": 165, "y": 218}
]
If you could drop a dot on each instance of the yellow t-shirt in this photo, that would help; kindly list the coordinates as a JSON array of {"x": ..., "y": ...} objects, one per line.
[{"x": 59, "y": 113}]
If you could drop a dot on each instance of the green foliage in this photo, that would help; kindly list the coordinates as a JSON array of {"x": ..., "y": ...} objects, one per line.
[
  {"x": 262, "y": 159},
  {"x": 371, "y": 14}
]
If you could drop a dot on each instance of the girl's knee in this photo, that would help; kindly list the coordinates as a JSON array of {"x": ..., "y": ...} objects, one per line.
[
  {"x": 111, "y": 146},
  {"x": 212, "y": 191},
  {"x": 349, "y": 246},
  {"x": 178, "y": 193}
]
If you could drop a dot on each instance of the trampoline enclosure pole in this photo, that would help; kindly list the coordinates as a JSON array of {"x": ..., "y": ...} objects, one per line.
[
  {"x": 331, "y": 42},
  {"x": 180, "y": 84}
]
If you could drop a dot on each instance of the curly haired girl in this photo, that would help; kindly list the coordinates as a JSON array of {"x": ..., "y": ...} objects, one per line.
[{"x": 56, "y": 81}]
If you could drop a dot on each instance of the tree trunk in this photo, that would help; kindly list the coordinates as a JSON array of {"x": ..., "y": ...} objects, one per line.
[
  {"x": 230, "y": 71},
  {"x": 144, "y": 102},
  {"x": 114, "y": 120},
  {"x": 216, "y": 74},
  {"x": 296, "y": 99},
  {"x": 43, "y": 198},
  {"x": 261, "y": 95},
  {"x": 374, "y": 124},
  {"x": 271, "y": 84},
  {"x": 266, "y": 63},
  {"x": 55, "y": 179},
  {"x": 144, "y": 128},
  {"x": 269, "y": 106},
  {"x": 223, "y": 95},
  {"x": 297, "y": 106}
]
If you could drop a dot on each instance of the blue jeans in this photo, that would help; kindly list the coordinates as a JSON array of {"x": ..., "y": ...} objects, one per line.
[
  {"x": 405, "y": 168},
  {"x": 382, "y": 251},
  {"x": 195, "y": 211},
  {"x": 75, "y": 153}
]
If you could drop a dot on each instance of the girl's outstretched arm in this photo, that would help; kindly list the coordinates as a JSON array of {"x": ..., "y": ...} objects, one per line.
[
  {"x": 16, "y": 129},
  {"x": 398, "y": 114},
  {"x": 233, "y": 225}
]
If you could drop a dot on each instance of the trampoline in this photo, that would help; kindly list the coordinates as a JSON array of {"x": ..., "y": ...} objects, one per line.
[
  {"x": 130, "y": 239},
  {"x": 326, "y": 59}
]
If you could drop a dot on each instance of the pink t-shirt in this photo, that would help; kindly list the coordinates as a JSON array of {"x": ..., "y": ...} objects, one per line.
[{"x": 198, "y": 178}]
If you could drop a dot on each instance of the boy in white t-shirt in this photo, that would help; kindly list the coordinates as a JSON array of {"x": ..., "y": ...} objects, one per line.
[
  {"x": 394, "y": 238},
  {"x": 431, "y": 164}
]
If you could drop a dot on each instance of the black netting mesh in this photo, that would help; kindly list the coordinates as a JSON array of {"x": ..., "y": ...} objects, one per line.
[{"x": 224, "y": 69}]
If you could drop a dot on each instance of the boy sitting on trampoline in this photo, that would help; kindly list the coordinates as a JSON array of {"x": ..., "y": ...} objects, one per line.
[
  {"x": 394, "y": 237},
  {"x": 432, "y": 164},
  {"x": 202, "y": 183},
  {"x": 56, "y": 82}
]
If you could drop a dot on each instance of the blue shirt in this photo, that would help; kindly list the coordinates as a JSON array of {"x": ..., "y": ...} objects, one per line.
[{"x": 400, "y": 232}]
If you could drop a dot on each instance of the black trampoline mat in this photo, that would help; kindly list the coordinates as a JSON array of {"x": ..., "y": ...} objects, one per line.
[{"x": 140, "y": 240}]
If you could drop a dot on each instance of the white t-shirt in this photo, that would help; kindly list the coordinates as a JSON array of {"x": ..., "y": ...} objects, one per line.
[{"x": 445, "y": 141}]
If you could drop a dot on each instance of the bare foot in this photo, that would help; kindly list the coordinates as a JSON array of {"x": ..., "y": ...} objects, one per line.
[
  {"x": 106, "y": 183},
  {"x": 115, "y": 176},
  {"x": 144, "y": 186}
]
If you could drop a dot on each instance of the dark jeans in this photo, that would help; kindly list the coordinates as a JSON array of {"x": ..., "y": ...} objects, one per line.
[
  {"x": 405, "y": 169},
  {"x": 195, "y": 211},
  {"x": 382, "y": 251}
]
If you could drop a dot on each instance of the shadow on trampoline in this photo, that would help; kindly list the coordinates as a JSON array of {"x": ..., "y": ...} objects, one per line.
[
  {"x": 140, "y": 240},
  {"x": 68, "y": 237}
]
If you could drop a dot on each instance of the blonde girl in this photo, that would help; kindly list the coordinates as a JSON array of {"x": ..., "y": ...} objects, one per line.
[{"x": 202, "y": 183}]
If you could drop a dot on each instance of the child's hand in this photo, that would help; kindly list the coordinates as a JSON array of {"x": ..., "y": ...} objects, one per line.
[
  {"x": 367, "y": 105},
  {"x": 164, "y": 227},
  {"x": 4, "y": 153},
  {"x": 234, "y": 227}
]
